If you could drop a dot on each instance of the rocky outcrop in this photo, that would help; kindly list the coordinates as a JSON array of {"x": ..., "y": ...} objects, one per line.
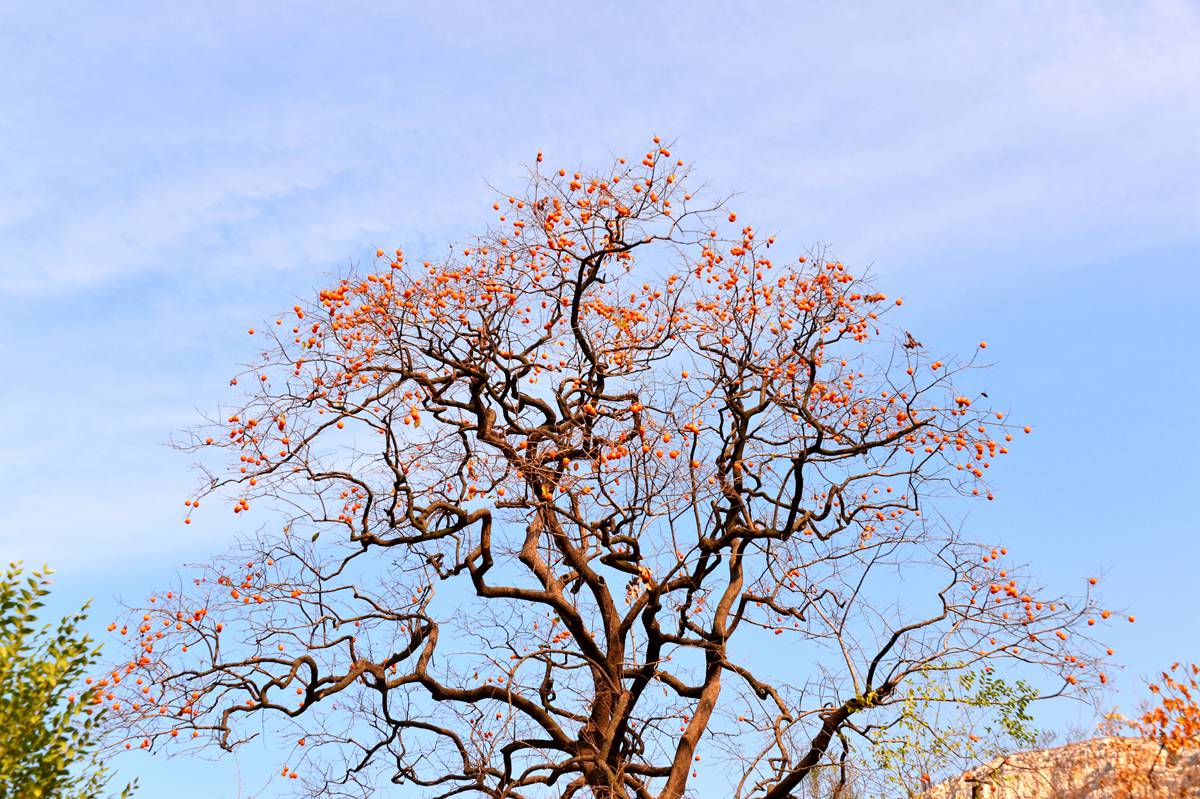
[{"x": 1104, "y": 768}]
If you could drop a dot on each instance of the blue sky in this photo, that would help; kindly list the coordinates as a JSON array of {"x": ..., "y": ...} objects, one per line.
[{"x": 1027, "y": 174}]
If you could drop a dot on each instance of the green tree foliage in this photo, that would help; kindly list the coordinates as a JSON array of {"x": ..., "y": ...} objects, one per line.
[
  {"x": 937, "y": 733},
  {"x": 48, "y": 735}
]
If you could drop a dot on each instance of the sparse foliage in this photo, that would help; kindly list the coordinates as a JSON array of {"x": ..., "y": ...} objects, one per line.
[
  {"x": 1174, "y": 722},
  {"x": 1165, "y": 738}
]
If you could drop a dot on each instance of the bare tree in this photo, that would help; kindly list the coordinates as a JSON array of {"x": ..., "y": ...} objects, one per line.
[{"x": 603, "y": 492}]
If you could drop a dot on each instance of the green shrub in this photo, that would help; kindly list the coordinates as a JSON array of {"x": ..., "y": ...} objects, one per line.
[{"x": 48, "y": 735}]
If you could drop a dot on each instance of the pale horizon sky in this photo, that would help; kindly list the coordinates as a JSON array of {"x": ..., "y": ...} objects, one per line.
[{"x": 1024, "y": 173}]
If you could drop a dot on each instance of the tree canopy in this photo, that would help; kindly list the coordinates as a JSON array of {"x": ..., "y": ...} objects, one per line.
[{"x": 613, "y": 495}]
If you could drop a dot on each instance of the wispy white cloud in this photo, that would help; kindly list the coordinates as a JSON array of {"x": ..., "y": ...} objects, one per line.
[
  {"x": 171, "y": 174},
  {"x": 224, "y": 142}
]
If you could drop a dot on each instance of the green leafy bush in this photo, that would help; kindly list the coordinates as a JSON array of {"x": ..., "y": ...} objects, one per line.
[{"x": 48, "y": 735}]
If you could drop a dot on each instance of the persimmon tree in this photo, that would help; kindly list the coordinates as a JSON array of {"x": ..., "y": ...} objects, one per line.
[{"x": 611, "y": 488}]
